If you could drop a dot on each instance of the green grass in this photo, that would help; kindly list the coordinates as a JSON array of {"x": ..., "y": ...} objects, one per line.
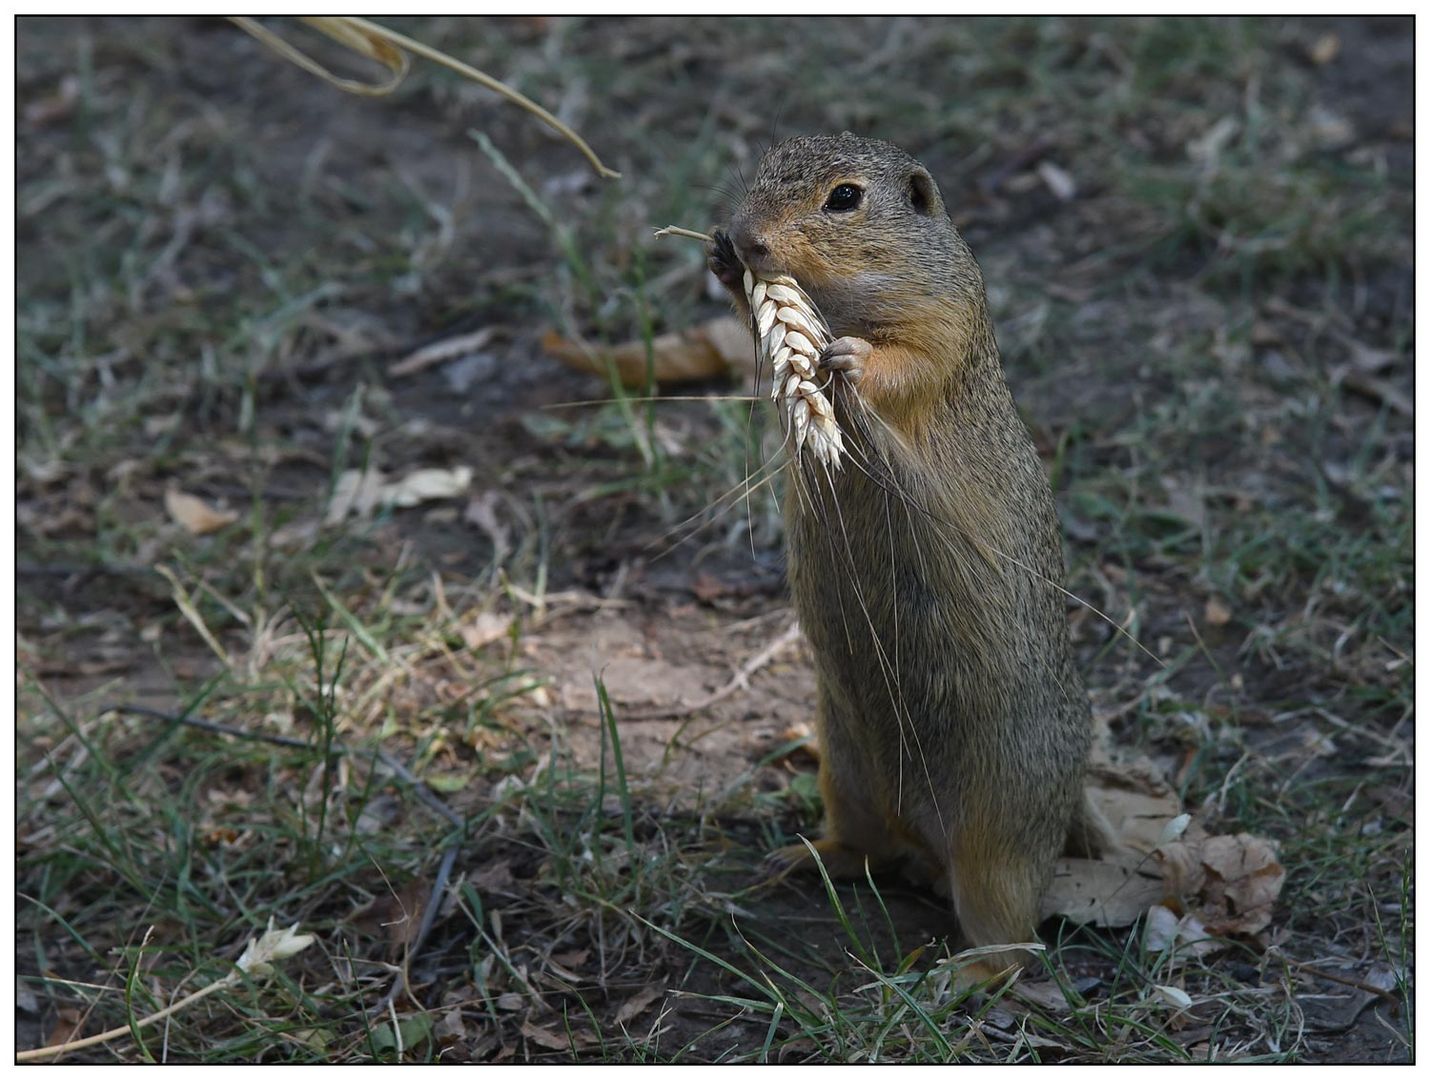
[{"x": 221, "y": 258}]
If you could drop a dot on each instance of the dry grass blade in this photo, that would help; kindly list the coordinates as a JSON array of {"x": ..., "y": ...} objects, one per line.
[
  {"x": 339, "y": 29},
  {"x": 385, "y": 46},
  {"x": 790, "y": 334}
]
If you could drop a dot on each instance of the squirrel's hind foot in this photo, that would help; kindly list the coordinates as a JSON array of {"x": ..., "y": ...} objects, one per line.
[{"x": 841, "y": 862}]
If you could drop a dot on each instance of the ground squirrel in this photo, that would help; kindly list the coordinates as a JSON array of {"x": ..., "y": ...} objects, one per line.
[{"x": 952, "y": 723}]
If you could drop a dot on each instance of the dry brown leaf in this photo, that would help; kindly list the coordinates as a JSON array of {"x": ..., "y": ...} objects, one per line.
[
  {"x": 1217, "y": 613},
  {"x": 1137, "y": 802},
  {"x": 550, "y": 1039},
  {"x": 450, "y": 1028},
  {"x": 67, "y": 1026},
  {"x": 639, "y": 1004},
  {"x": 493, "y": 877},
  {"x": 707, "y": 351},
  {"x": 487, "y": 627},
  {"x": 1243, "y": 880},
  {"x": 1222, "y": 884},
  {"x": 1044, "y": 993},
  {"x": 1102, "y": 892},
  {"x": 195, "y": 515}
]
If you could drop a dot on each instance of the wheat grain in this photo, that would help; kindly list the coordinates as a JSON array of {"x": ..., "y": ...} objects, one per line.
[{"x": 790, "y": 334}]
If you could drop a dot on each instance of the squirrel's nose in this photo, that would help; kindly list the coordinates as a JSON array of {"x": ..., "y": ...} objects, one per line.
[{"x": 752, "y": 248}]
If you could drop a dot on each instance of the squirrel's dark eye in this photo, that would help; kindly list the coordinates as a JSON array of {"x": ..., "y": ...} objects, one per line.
[{"x": 844, "y": 197}]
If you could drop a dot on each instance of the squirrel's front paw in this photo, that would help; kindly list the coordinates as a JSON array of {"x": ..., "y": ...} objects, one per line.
[
  {"x": 724, "y": 263},
  {"x": 847, "y": 355}
]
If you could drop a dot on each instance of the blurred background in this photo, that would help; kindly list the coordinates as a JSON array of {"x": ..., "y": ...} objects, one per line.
[{"x": 292, "y": 456}]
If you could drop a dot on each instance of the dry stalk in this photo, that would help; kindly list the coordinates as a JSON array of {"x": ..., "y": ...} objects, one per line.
[
  {"x": 386, "y": 47},
  {"x": 258, "y": 959}
]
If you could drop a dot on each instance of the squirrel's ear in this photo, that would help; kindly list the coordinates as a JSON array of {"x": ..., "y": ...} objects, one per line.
[{"x": 923, "y": 194}]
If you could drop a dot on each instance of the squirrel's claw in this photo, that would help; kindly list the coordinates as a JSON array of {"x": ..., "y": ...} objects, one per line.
[
  {"x": 847, "y": 355},
  {"x": 724, "y": 263}
]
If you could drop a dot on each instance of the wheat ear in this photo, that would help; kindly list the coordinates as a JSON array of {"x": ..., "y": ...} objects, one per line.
[{"x": 790, "y": 334}]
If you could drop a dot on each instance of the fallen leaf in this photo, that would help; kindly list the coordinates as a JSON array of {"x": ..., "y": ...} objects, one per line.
[
  {"x": 359, "y": 492},
  {"x": 1330, "y": 1013},
  {"x": 428, "y": 485},
  {"x": 1222, "y": 884},
  {"x": 1265, "y": 333},
  {"x": 1043, "y": 993},
  {"x": 1324, "y": 49},
  {"x": 1136, "y": 801},
  {"x": 552, "y": 1040},
  {"x": 1058, "y": 180},
  {"x": 56, "y": 106},
  {"x": 493, "y": 877},
  {"x": 707, "y": 351},
  {"x": 484, "y": 629},
  {"x": 67, "y": 1027},
  {"x": 440, "y": 351},
  {"x": 481, "y": 512},
  {"x": 1159, "y": 931},
  {"x": 1102, "y": 892},
  {"x": 25, "y": 999},
  {"x": 1163, "y": 930},
  {"x": 1217, "y": 613},
  {"x": 1174, "y": 829},
  {"x": 1244, "y": 878},
  {"x": 638, "y": 1004},
  {"x": 1174, "y": 995},
  {"x": 1207, "y": 149},
  {"x": 195, "y": 515},
  {"x": 450, "y": 1028}
]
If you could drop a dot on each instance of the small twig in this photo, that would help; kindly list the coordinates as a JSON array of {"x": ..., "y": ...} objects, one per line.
[
  {"x": 676, "y": 230},
  {"x": 40, "y": 1053},
  {"x": 1301, "y": 965},
  {"x": 739, "y": 681}
]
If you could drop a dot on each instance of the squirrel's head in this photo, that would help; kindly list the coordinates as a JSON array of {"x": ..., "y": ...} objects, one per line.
[{"x": 860, "y": 225}]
